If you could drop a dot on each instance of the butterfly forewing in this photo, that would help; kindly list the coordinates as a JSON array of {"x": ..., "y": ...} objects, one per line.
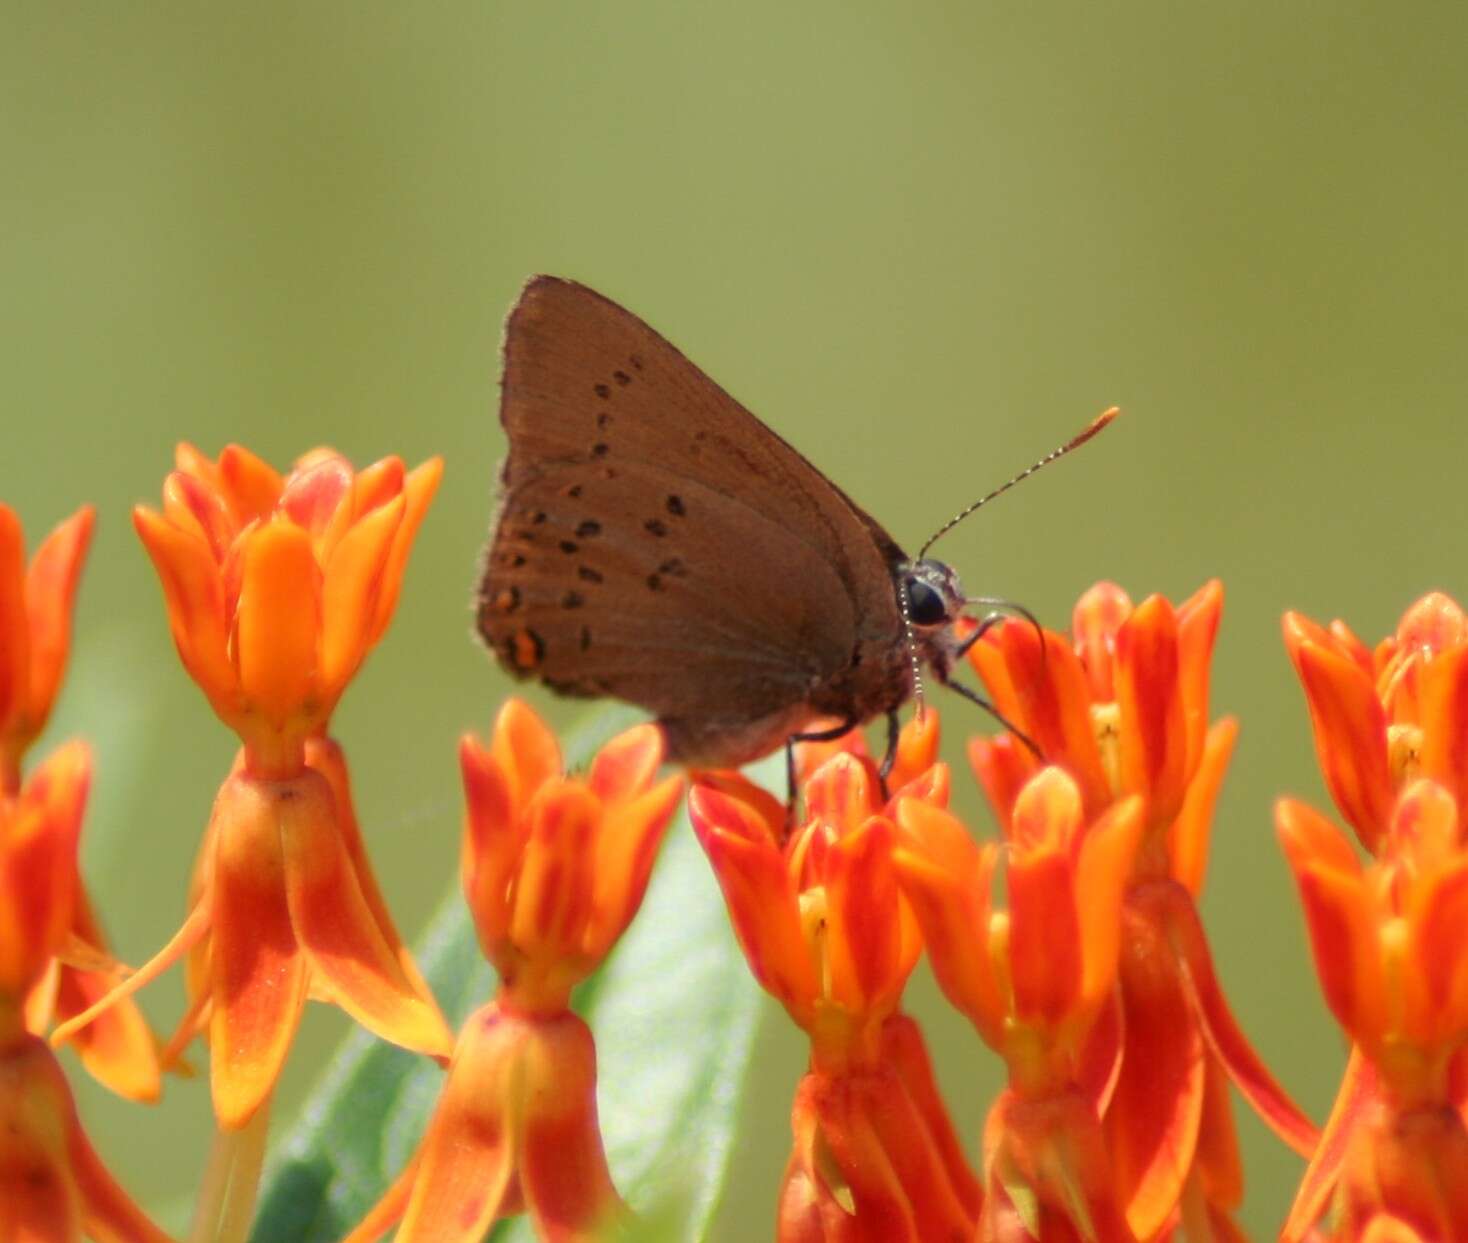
[{"x": 657, "y": 543}]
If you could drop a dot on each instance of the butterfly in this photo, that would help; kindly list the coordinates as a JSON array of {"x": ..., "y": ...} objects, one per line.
[{"x": 657, "y": 543}]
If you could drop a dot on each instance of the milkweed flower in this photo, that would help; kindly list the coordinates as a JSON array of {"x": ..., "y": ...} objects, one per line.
[
  {"x": 822, "y": 922},
  {"x": 1390, "y": 942},
  {"x": 53, "y": 1186},
  {"x": 276, "y": 589},
  {"x": 35, "y": 638},
  {"x": 1033, "y": 980},
  {"x": 1382, "y": 718},
  {"x": 554, "y": 868},
  {"x": 1122, "y": 705}
]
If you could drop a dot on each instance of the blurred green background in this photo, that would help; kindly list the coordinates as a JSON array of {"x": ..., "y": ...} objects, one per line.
[{"x": 925, "y": 242}]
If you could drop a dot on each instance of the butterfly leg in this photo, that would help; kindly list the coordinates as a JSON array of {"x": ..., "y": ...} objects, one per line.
[
  {"x": 973, "y": 696},
  {"x": 889, "y": 758},
  {"x": 820, "y": 735},
  {"x": 991, "y": 620}
]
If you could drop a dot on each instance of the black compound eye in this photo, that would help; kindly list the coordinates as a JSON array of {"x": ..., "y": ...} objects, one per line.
[{"x": 925, "y": 605}]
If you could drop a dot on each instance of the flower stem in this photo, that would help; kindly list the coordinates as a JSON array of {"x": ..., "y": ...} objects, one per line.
[{"x": 226, "y": 1201}]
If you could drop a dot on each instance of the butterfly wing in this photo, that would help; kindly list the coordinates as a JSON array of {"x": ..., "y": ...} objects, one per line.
[{"x": 657, "y": 543}]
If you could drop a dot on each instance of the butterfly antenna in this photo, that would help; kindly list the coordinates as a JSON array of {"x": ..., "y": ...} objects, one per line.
[
  {"x": 912, "y": 649},
  {"x": 1096, "y": 424}
]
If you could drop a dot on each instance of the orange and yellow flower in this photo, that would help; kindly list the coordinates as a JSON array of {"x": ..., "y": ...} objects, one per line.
[
  {"x": 1122, "y": 706},
  {"x": 1033, "y": 980},
  {"x": 278, "y": 587},
  {"x": 35, "y": 640},
  {"x": 1390, "y": 941},
  {"x": 276, "y": 590},
  {"x": 53, "y": 1187},
  {"x": 822, "y": 922},
  {"x": 554, "y": 868},
  {"x": 1383, "y": 718},
  {"x": 35, "y": 629}
]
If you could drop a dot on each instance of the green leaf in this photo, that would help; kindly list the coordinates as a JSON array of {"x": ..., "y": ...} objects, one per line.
[{"x": 674, "y": 1012}]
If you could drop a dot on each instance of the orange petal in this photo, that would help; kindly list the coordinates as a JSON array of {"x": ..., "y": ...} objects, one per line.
[
  {"x": 39, "y": 1201},
  {"x": 1340, "y": 919},
  {"x": 15, "y": 660},
  {"x": 1355, "y": 1099},
  {"x": 1153, "y": 743},
  {"x": 917, "y": 748},
  {"x": 626, "y": 848},
  {"x": 526, "y": 749},
  {"x": 349, "y": 955},
  {"x": 326, "y": 757},
  {"x": 763, "y": 905},
  {"x": 38, "y": 865},
  {"x": 946, "y": 878},
  {"x": 1188, "y": 838},
  {"x": 194, "y": 594},
  {"x": 418, "y": 490},
  {"x": 1225, "y": 1038},
  {"x": 627, "y": 765},
  {"x": 563, "y": 1170},
  {"x": 260, "y": 975},
  {"x": 278, "y": 622},
  {"x": 1098, "y": 615},
  {"x": 1152, "y": 1120},
  {"x": 252, "y": 485},
  {"x": 1052, "y": 705},
  {"x": 351, "y": 579},
  {"x": 1350, "y": 736},
  {"x": 493, "y": 839},
  {"x": 466, "y": 1164},
  {"x": 552, "y": 899},
  {"x": 1102, "y": 871},
  {"x": 1197, "y": 627},
  {"x": 863, "y": 942},
  {"x": 118, "y": 1048},
  {"x": 841, "y": 793},
  {"x": 1445, "y": 722},
  {"x": 1002, "y": 766},
  {"x": 317, "y": 497},
  {"x": 49, "y": 592}
]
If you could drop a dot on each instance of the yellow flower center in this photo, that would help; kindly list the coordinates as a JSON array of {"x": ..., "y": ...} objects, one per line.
[
  {"x": 1106, "y": 725},
  {"x": 1404, "y": 752}
]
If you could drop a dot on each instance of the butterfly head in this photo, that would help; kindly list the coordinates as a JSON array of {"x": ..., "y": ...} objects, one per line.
[{"x": 934, "y": 595}]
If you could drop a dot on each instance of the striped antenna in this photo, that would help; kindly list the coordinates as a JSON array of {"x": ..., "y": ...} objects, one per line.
[{"x": 1095, "y": 425}]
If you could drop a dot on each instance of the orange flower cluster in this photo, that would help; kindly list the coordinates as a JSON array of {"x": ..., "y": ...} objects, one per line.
[
  {"x": 1091, "y": 977},
  {"x": 554, "y": 868},
  {"x": 823, "y": 923},
  {"x": 52, "y": 1184},
  {"x": 1389, "y": 935}
]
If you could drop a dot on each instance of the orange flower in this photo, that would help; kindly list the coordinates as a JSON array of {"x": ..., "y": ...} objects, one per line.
[
  {"x": 1383, "y": 718},
  {"x": 35, "y": 637},
  {"x": 52, "y": 1184},
  {"x": 35, "y": 629},
  {"x": 554, "y": 868},
  {"x": 824, "y": 927},
  {"x": 1389, "y": 944},
  {"x": 278, "y": 588},
  {"x": 1033, "y": 981},
  {"x": 1122, "y": 706}
]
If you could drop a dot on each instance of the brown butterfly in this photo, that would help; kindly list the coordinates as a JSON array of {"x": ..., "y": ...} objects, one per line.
[{"x": 657, "y": 543}]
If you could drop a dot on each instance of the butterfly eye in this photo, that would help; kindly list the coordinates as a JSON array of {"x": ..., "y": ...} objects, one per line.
[{"x": 925, "y": 605}]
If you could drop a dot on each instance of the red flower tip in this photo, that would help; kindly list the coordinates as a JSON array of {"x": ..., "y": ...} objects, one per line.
[
  {"x": 278, "y": 587},
  {"x": 35, "y": 629},
  {"x": 554, "y": 868}
]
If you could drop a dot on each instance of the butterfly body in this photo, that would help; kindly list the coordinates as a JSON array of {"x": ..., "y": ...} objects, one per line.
[{"x": 657, "y": 543}]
